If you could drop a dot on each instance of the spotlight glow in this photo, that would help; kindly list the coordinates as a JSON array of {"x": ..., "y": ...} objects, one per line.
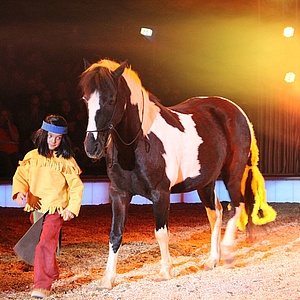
[
  {"x": 146, "y": 31},
  {"x": 288, "y": 32},
  {"x": 290, "y": 77}
]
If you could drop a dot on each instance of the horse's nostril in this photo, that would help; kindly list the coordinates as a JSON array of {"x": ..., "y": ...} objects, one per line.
[
  {"x": 90, "y": 144},
  {"x": 97, "y": 147},
  {"x": 93, "y": 147}
]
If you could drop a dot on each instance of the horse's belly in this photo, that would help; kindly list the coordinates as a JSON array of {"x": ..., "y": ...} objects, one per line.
[{"x": 189, "y": 184}]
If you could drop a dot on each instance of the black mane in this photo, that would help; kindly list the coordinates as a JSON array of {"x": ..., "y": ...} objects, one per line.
[{"x": 99, "y": 78}]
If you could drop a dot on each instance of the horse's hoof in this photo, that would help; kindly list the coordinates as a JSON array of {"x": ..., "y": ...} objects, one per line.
[
  {"x": 210, "y": 264},
  {"x": 106, "y": 283},
  {"x": 165, "y": 273},
  {"x": 160, "y": 279},
  {"x": 228, "y": 255},
  {"x": 103, "y": 286},
  {"x": 164, "y": 276},
  {"x": 228, "y": 261}
]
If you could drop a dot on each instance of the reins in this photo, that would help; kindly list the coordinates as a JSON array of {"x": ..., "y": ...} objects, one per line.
[
  {"x": 111, "y": 127},
  {"x": 138, "y": 132},
  {"x": 108, "y": 126}
]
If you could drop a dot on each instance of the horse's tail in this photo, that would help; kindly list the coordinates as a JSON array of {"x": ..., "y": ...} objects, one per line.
[{"x": 254, "y": 192}]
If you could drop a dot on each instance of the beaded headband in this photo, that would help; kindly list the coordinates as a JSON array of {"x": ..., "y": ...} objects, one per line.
[{"x": 53, "y": 128}]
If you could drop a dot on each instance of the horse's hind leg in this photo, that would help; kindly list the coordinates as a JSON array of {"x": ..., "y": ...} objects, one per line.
[
  {"x": 120, "y": 204},
  {"x": 161, "y": 207},
  {"x": 228, "y": 242},
  {"x": 214, "y": 212},
  {"x": 232, "y": 180}
]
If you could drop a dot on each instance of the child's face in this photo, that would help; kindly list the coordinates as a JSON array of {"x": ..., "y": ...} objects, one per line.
[{"x": 53, "y": 140}]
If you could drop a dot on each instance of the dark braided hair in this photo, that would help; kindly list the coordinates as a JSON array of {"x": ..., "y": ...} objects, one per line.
[{"x": 40, "y": 139}]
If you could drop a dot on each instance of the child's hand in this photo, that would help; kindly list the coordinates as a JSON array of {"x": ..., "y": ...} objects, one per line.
[
  {"x": 21, "y": 198},
  {"x": 67, "y": 215}
]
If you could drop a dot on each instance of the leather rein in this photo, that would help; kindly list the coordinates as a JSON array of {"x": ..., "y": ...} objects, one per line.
[{"x": 110, "y": 127}]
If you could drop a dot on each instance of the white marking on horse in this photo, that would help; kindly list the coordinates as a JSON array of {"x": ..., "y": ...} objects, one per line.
[
  {"x": 162, "y": 236},
  {"x": 93, "y": 106},
  {"x": 229, "y": 239},
  {"x": 110, "y": 273},
  {"x": 215, "y": 220},
  {"x": 139, "y": 96},
  {"x": 182, "y": 148},
  {"x": 231, "y": 228}
]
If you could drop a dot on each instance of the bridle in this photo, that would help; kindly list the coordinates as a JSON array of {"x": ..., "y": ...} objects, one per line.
[
  {"x": 110, "y": 127},
  {"x": 107, "y": 127}
]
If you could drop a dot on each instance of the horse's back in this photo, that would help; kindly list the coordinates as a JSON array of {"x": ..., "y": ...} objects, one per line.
[
  {"x": 217, "y": 114},
  {"x": 225, "y": 132},
  {"x": 219, "y": 105}
]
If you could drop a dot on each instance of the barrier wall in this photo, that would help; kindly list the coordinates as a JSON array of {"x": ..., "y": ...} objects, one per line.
[{"x": 96, "y": 192}]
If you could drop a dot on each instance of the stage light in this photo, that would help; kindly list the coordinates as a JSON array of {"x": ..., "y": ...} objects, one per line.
[
  {"x": 290, "y": 77},
  {"x": 146, "y": 31},
  {"x": 288, "y": 31}
]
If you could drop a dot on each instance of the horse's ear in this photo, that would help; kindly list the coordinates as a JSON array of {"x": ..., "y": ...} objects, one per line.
[
  {"x": 86, "y": 64},
  {"x": 119, "y": 71}
]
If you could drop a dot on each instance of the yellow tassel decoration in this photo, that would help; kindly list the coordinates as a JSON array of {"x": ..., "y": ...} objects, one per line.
[{"x": 259, "y": 192}]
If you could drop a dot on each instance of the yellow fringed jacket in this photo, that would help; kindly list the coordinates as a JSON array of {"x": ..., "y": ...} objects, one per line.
[{"x": 54, "y": 180}]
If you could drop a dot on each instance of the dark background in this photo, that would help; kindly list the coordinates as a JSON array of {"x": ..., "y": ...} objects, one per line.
[{"x": 233, "y": 49}]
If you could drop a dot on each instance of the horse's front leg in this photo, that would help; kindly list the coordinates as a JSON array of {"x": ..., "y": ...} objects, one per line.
[
  {"x": 120, "y": 202},
  {"x": 161, "y": 208}
]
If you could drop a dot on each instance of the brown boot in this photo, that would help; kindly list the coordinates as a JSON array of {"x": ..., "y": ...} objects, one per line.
[{"x": 40, "y": 293}]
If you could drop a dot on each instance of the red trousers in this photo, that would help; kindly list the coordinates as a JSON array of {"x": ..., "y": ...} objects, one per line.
[{"x": 45, "y": 264}]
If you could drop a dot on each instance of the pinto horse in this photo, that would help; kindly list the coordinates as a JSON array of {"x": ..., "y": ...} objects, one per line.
[{"x": 153, "y": 151}]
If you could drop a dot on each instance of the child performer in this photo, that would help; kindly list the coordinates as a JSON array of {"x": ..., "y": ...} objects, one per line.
[{"x": 48, "y": 180}]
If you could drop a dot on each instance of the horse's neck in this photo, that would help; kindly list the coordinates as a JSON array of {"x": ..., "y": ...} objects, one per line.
[
  {"x": 147, "y": 109},
  {"x": 125, "y": 137},
  {"x": 130, "y": 123}
]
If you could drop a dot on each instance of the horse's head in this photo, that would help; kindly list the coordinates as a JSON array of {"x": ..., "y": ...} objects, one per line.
[{"x": 105, "y": 108}]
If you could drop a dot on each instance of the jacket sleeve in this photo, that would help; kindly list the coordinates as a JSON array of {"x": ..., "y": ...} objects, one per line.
[
  {"x": 76, "y": 188},
  {"x": 20, "y": 181}
]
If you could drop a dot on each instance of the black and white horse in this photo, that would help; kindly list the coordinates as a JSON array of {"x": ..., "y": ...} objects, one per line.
[{"x": 152, "y": 151}]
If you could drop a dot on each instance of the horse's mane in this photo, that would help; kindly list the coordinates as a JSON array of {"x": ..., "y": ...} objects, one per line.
[
  {"x": 112, "y": 65},
  {"x": 139, "y": 95}
]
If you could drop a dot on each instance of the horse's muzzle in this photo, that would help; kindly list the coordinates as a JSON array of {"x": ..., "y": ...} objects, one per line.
[{"x": 94, "y": 148}]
